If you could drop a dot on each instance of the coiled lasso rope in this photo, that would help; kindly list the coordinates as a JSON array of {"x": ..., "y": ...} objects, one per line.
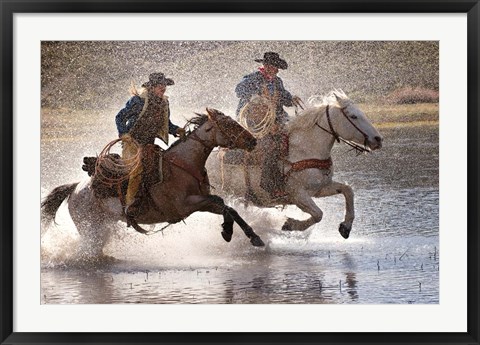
[
  {"x": 258, "y": 116},
  {"x": 111, "y": 170}
]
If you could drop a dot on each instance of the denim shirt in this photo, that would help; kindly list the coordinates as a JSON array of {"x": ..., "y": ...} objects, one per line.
[
  {"x": 126, "y": 117},
  {"x": 252, "y": 84}
]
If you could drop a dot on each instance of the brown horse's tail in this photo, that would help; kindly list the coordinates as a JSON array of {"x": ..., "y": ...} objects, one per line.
[{"x": 52, "y": 201}]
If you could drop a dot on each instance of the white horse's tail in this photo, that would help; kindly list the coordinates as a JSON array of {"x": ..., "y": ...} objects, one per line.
[{"x": 52, "y": 201}]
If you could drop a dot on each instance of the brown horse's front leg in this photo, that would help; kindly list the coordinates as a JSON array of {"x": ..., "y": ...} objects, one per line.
[
  {"x": 247, "y": 229},
  {"x": 215, "y": 204}
]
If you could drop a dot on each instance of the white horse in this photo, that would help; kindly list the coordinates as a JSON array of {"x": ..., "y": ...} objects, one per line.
[
  {"x": 308, "y": 167},
  {"x": 185, "y": 188}
]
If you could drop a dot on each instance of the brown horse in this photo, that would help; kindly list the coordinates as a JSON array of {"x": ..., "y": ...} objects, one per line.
[{"x": 185, "y": 188}]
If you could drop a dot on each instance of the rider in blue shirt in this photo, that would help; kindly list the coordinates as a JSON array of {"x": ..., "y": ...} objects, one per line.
[
  {"x": 146, "y": 116},
  {"x": 126, "y": 118}
]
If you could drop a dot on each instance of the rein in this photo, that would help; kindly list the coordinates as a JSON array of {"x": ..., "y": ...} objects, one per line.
[
  {"x": 205, "y": 144},
  {"x": 208, "y": 145},
  {"x": 357, "y": 147},
  {"x": 232, "y": 138},
  {"x": 180, "y": 163}
]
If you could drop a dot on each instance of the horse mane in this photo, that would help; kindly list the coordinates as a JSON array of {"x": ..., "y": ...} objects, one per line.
[
  {"x": 316, "y": 109},
  {"x": 197, "y": 121}
]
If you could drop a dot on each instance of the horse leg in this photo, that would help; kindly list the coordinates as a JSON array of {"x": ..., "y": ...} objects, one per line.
[
  {"x": 93, "y": 238},
  {"x": 247, "y": 229},
  {"x": 215, "y": 204},
  {"x": 92, "y": 224},
  {"x": 304, "y": 202},
  {"x": 335, "y": 188}
]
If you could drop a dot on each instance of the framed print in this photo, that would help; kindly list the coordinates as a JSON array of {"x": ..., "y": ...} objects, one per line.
[{"x": 229, "y": 172}]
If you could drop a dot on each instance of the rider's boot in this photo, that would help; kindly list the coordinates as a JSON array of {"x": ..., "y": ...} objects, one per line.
[
  {"x": 133, "y": 198},
  {"x": 133, "y": 209}
]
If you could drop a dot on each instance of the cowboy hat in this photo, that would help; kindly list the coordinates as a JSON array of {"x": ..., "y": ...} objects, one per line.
[
  {"x": 155, "y": 79},
  {"x": 273, "y": 59}
]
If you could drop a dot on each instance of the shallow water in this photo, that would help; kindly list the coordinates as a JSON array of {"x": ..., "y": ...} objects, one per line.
[{"x": 392, "y": 255}]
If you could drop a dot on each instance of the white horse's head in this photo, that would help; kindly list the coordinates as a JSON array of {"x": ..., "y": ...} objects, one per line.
[
  {"x": 350, "y": 123},
  {"x": 339, "y": 116}
]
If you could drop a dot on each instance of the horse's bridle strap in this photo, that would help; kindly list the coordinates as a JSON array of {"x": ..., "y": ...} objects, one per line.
[
  {"x": 232, "y": 137},
  {"x": 353, "y": 124},
  {"x": 209, "y": 145},
  {"x": 206, "y": 144},
  {"x": 337, "y": 137},
  {"x": 332, "y": 131}
]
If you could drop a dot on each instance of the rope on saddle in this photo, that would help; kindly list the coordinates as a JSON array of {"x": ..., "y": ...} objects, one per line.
[
  {"x": 112, "y": 170},
  {"x": 258, "y": 116}
]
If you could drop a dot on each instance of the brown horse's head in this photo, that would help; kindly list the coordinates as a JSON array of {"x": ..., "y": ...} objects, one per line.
[{"x": 230, "y": 133}]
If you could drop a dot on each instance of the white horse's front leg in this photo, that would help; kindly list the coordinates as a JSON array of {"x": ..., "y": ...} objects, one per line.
[
  {"x": 337, "y": 188},
  {"x": 304, "y": 202}
]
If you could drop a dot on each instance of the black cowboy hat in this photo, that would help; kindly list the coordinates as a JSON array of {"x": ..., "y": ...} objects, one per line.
[
  {"x": 273, "y": 59},
  {"x": 158, "y": 79}
]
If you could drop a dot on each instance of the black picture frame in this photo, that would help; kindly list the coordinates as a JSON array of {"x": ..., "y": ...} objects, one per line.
[{"x": 10, "y": 7}]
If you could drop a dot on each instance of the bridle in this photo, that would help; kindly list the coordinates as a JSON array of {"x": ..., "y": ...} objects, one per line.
[
  {"x": 208, "y": 145},
  {"x": 232, "y": 138},
  {"x": 355, "y": 146}
]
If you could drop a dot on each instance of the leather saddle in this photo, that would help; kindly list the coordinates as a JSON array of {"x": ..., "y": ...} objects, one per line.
[{"x": 108, "y": 182}]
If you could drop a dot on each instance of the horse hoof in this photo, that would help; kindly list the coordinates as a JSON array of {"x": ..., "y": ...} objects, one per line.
[
  {"x": 257, "y": 241},
  {"x": 227, "y": 236},
  {"x": 344, "y": 231}
]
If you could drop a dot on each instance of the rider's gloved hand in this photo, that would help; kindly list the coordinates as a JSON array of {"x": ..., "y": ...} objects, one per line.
[
  {"x": 297, "y": 101},
  {"x": 180, "y": 132}
]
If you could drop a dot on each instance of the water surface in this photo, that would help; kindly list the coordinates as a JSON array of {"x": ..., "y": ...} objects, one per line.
[{"x": 392, "y": 255}]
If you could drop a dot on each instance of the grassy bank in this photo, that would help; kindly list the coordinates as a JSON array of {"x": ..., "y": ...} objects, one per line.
[
  {"x": 68, "y": 123},
  {"x": 389, "y": 115}
]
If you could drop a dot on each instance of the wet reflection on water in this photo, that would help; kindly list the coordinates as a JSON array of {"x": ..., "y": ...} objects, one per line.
[{"x": 317, "y": 273}]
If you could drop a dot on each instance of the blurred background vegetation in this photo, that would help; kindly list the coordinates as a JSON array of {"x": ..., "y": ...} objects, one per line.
[{"x": 97, "y": 75}]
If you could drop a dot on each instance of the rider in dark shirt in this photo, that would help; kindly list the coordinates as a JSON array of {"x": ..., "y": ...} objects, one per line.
[{"x": 265, "y": 82}]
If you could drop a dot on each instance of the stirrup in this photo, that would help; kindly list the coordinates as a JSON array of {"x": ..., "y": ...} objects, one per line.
[
  {"x": 131, "y": 221},
  {"x": 133, "y": 209}
]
